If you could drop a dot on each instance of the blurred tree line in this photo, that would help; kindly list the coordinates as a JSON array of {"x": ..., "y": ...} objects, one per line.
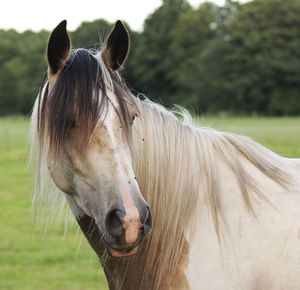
[{"x": 241, "y": 58}]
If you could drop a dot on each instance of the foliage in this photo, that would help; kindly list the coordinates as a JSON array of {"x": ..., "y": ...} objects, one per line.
[
  {"x": 153, "y": 59},
  {"x": 22, "y": 66},
  {"x": 241, "y": 58},
  {"x": 194, "y": 39},
  {"x": 265, "y": 56}
]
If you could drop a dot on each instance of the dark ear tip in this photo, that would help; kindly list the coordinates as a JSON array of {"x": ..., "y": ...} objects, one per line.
[
  {"x": 61, "y": 25},
  {"x": 120, "y": 24},
  {"x": 64, "y": 23}
]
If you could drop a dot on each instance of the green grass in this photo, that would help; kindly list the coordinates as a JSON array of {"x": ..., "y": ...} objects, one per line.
[
  {"x": 30, "y": 261},
  {"x": 281, "y": 135}
]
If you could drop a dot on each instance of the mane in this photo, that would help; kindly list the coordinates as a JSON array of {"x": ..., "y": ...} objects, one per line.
[{"x": 174, "y": 161}]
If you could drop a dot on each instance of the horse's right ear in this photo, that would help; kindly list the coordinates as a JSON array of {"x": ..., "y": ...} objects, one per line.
[{"x": 59, "y": 46}]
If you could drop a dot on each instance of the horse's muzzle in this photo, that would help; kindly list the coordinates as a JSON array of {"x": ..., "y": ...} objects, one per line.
[{"x": 127, "y": 229}]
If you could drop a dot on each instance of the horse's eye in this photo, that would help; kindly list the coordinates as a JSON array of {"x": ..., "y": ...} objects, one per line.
[{"x": 132, "y": 119}]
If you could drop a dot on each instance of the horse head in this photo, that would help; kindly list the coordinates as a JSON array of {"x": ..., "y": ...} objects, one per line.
[{"x": 85, "y": 115}]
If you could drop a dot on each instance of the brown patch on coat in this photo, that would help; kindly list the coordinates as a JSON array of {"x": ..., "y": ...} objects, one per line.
[{"x": 179, "y": 280}]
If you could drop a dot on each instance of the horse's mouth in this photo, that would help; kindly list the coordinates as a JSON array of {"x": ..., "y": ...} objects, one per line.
[
  {"x": 123, "y": 253},
  {"x": 120, "y": 252}
]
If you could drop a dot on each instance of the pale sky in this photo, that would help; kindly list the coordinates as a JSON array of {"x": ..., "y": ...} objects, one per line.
[{"x": 38, "y": 14}]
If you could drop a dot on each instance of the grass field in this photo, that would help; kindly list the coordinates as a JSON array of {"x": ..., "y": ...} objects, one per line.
[{"x": 28, "y": 260}]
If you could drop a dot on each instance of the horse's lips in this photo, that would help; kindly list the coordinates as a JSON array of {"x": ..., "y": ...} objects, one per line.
[{"x": 123, "y": 253}]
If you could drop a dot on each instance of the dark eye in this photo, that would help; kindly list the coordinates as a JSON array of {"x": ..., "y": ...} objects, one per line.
[{"x": 132, "y": 119}]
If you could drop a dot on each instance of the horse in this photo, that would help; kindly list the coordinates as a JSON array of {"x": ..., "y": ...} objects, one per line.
[{"x": 165, "y": 204}]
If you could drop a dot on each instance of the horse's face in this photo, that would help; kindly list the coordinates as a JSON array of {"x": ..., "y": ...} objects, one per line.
[
  {"x": 103, "y": 185},
  {"x": 101, "y": 182}
]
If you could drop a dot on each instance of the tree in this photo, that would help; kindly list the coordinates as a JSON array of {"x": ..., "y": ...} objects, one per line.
[
  {"x": 241, "y": 58},
  {"x": 22, "y": 67},
  {"x": 191, "y": 36},
  {"x": 265, "y": 56},
  {"x": 153, "y": 59}
]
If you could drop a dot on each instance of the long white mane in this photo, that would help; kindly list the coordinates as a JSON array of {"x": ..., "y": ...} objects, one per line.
[{"x": 176, "y": 163}]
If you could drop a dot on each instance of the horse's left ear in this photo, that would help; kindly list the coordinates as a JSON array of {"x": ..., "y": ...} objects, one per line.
[{"x": 116, "y": 47}]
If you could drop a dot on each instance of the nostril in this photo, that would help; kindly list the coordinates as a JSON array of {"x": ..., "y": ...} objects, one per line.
[
  {"x": 114, "y": 223},
  {"x": 148, "y": 221}
]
